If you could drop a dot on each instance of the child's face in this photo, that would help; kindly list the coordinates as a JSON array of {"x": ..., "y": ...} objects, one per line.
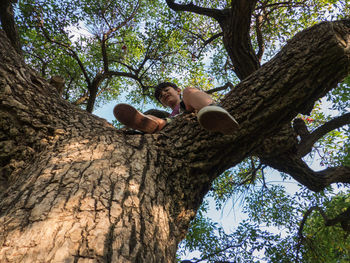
[{"x": 170, "y": 97}]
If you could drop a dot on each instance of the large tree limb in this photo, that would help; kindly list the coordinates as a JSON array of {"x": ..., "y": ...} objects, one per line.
[
  {"x": 290, "y": 162},
  {"x": 316, "y": 181},
  {"x": 210, "y": 12},
  {"x": 98, "y": 79},
  {"x": 224, "y": 87},
  {"x": 9, "y": 25},
  {"x": 289, "y": 83},
  {"x": 274, "y": 94},
  {"x": 282, "y": 152},
  {"x": 237, "y": 39},
  {"x": 235, "y": 24},
  {"x": 310, "y": 139}
]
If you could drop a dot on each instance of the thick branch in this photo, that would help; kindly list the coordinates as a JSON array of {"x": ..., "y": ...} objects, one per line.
[
  {"x": 308, "y": 141},
  {"x": 280, "y": 152},
  {"x": 237, "y": 41},
  {"x": 99, "y": 78},
  {"x": 210, "y": 12},
  {"x": 235, "y": 24},
  {"x": 274, "y": 95},
  {"x": 265, "y": 102},
  {"x": 8, "y": 24},
  {"x": 227, "y": 85},
  {"x": 258, "y": 26},
  {"x": 291, "y": 164}
]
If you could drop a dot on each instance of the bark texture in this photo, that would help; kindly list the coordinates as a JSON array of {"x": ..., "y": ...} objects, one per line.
[
  {"x": 72, "y": 186},
  {"x": 75, "y": 189}
]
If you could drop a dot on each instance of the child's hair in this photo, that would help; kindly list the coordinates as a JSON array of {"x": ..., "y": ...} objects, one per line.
[{"x": 161, "y": 86}]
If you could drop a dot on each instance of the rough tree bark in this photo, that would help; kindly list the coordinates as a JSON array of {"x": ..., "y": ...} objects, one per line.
[
  {"x": 281, "y": 150},
  {"x": 75, "y": 189}
]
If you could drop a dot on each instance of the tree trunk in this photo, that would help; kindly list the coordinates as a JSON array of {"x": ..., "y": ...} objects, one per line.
[
  {"x": 8, "y": 24},
  {"x": 236, "y": 28},
  {"x": 75, "y": 189}
]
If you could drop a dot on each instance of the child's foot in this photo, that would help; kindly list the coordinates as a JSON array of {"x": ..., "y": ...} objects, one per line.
[
  {"x": 217, "y": 119},
  {"x": 134, "y": 119}
]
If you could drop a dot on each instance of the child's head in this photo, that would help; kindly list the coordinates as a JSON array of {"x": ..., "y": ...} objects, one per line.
[
  {"x": 161, "y": 86},
  {"x": 168, "y": 94}
]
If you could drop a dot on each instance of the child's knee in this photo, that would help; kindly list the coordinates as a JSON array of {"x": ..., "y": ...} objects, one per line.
[{"x": 189, "y": 90}]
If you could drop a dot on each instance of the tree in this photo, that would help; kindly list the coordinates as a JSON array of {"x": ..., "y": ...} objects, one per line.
[{"x": 75, "y": 188}]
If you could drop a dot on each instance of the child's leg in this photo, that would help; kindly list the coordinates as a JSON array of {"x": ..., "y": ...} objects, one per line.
[
  {"x": 195, "y": 99},
  {"x": 212, "y": 118},
  {"x": 134, "y": 119}
]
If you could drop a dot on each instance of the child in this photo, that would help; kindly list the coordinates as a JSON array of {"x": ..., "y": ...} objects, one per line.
[{"x": 212, "y": 118}]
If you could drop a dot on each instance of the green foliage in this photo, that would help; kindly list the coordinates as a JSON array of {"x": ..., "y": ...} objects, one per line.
[
  {"x": 201, "y": 230},
  {"x": 271, "y": 231},
  {"x": 331, "y": 244},
  {"x": 261, "y": 207},
  {"x": 283, "y": 19},
  {"x": 154, "y": 45},
  {"x": 340, "y": 99},
  {"x": 66, "y": 37},
  {"x": 236, "y": 183}
]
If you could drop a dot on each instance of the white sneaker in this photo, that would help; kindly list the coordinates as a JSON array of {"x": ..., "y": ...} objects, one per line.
[{"x": 217, "y": 119}]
